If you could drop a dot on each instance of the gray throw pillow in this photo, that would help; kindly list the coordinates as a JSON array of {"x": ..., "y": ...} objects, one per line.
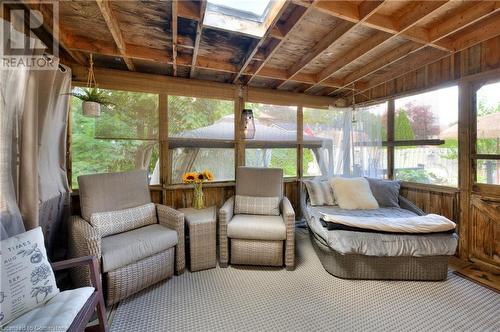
[{"x": 386, "y": 192}]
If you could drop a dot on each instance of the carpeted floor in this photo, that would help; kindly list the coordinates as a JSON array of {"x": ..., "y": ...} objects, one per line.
[{"x": 262, "y": 299}]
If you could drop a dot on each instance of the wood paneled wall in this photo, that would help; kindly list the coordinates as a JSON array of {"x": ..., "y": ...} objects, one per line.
[
  {"x": 433, "y": 199},
  {"x": 217, "y": 194}
]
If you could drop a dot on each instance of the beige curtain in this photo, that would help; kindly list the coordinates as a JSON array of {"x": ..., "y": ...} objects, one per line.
[
  {"x": 44, "y": 192},
  {"x": 36, "y": 104}
]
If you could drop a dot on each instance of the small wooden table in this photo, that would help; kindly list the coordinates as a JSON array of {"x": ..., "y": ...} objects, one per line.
[{"x": 201, "y": 226}]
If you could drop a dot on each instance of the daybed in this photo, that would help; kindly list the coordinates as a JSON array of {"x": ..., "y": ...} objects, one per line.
[{"x": 367, "y": 255}]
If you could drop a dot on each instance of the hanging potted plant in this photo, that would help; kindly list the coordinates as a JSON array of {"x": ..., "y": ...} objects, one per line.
[{"x": 92, "y": 99}]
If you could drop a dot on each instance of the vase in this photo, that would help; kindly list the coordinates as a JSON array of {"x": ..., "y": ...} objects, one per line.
[{"x": 198, "y": 200}]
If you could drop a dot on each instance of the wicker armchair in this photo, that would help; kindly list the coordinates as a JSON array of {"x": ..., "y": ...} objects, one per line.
[
  {"x": 133, "y": 255},
  {"x": 259, "y": 240}
]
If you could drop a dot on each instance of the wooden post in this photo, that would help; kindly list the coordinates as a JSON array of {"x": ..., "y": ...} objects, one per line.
[
  {"x": 300, "y": 153},
  {"x": 391, "y": 114},
  {"x": 165, "y": 172},
  {"x": 465, "y": 175}
]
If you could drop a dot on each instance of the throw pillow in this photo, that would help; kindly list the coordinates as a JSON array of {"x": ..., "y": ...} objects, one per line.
[
  {"x": 353, "y": 193},
  {"x": 114, "y": 222},
  {"x": 386, "y": 192},
  {"x": 27, "y": 277},
  {"x": 320, "y": 192},
  {"x": 269, "y": 206}
]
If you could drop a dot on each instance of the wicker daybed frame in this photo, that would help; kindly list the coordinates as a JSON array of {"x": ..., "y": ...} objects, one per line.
[
  {"x": 353, "y": 266},
  {"x": 357, "y": 266}
]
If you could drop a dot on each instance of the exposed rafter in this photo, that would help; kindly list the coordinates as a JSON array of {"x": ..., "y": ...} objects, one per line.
[
  {"x": 490, "y": 28},
  {"x": 114, "y": 28},
  {"x": 160, "y": 56},
  {"x": 254, "y": 48},
  {"x": 409, "y": 20},
  {"x": 440, "y": 32},
  {"x": 174, "y": 35},
  {"x": 199, "y": 31},
  {"x": 333, "y": 37},
  {"x": 349, "y": 11},
  {"x": 291, "y": 25}
]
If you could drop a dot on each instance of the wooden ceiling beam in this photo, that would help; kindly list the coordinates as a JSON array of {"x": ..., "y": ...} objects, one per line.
[
  {"x": 174, "y": 35},
  {"x": 256, "y": 45},
  {"x": 397, "y": 26},
  {"x": 199, "y": 31},
  {"x": 439, "y": 33},
  {"x": 114, "y": 28},
  {"x": 86, "y": 45},
  {"x": 290, "y": 25},
  {"x": 392, "y": 29},
  {"x": 487, "y": 29},
  {"x": 54, "y": 30},
  {"x": 362, "y": 12}
]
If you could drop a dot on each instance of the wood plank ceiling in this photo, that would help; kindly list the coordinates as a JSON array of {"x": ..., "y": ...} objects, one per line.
[{"x": 312, "y": 46}]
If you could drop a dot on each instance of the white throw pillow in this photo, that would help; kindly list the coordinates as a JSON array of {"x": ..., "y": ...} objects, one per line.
[
  {"x": 269, "y": 206},
  {"x": 353, "y": 193},
  {"x": 27, "y": 277},
  {"x": 114, "y": 222}
]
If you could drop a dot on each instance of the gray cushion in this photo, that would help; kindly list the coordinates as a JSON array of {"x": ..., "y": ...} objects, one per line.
[
  {"x": 126, "y": 248},
  {"x": 114, "y": 222},
  {"x": 257, "y": 205},
  {"x": 386, "y": 192},
  {"x": 259, "y": 182},
  {"x": 112, "y": 192},
  {"x": 320, "y": 192},
  {"x": 253, "y": 227}
]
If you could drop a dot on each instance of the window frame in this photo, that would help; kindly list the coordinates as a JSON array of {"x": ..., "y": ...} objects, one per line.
[
  {"x": 392, "y": 143},
  {"x": 474, "y": 156}
]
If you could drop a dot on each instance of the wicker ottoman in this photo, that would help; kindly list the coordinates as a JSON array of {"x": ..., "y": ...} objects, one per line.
[{"x": 201, "y": 231}]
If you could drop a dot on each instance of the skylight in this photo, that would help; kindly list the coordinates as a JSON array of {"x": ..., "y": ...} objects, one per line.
[
  {"x": 243, "y": 8},
  {"x": 251, "y": 17}
]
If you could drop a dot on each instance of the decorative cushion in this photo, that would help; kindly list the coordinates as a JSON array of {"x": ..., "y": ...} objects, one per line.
[
  {"x": 269, "y": 206},
  {"x": 114, "y": 222},
  {"x": 126, "y": 248},
  {"x": 113, "y": 191},
  {"x": 55, "y": 315},
  {"x": 386, "y": 192},
  {"x": 320, "y": 192},
  {"x": 27, "y": 277},
  {"x": 254, "y": 227},
  {"x": 353, "y": 193}
]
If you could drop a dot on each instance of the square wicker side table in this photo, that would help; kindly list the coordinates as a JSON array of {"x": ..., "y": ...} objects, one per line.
[{"x": 201, "y": 225}]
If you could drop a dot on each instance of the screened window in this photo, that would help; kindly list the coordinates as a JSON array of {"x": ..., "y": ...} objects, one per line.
[
  {"x": 201, "y": 136},
  {"x": 275, "y": 142},
  {"x": 123, "y": 138},
  {"x": 320, "y": 130},
  {"x": 488, "y": 134},
  {"x": 426, "y": 127}
]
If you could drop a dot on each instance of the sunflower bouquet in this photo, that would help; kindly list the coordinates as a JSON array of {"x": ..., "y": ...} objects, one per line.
[{"x": 197, "y": 179}]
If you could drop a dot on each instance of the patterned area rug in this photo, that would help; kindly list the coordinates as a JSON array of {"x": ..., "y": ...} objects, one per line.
[{"x": 264, "y": 299}]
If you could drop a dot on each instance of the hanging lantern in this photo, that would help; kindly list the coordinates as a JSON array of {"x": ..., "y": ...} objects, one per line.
[{"x": 248, "y": 124}]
